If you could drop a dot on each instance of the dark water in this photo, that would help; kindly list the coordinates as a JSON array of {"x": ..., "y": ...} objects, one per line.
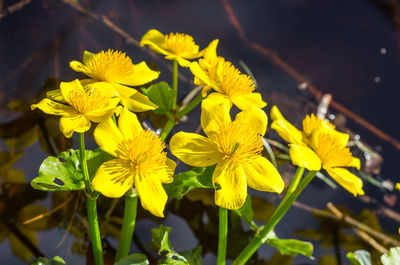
[{"x": 347, "y": 48}]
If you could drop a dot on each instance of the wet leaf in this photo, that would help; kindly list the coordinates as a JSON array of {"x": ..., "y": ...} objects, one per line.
[
  {"x": 134, "y": 259},
  {"x": 63, "y": 173},
  {"x": 160, "y": 94},
  {"x": 186, "y": 181},
  {"x": 359, "y": 257},
  {"x": 45, "y": 261},
  {"x": 290, "y": 246},
  {"x": 30, "y": 211},
  {"x": 392, "y": 257},
  {"x": 18, "y": 248}
]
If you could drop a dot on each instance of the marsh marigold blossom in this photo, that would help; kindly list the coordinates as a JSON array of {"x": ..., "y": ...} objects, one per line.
[
  {"x": 318, "y": 146},
  {"x": 112, "y": 71},
  {"x": 83, "y": 106},
  {"x": 140, "y": 161},
  {"x": 231, "y": 85},
  {"x": 175, "y": 46},
  {"x": 235, "y": 147}
]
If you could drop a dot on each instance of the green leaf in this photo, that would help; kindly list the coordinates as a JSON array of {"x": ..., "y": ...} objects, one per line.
[
  {"x": 63, "y": 173},
  {"x": 186, "y": 181},
  {"x": 392, "y": 257},
  {"x": 160, "y": 94},
  {"x": 134, "y": 259},
  {"x": 290, "y": 246},
  {"x": 45, "y": 261},
  {"x": 193, "y": 256},
  {"x": 160, "y": 243},
  {"x": 246, "y": 213},
  {"x": 359, "y": 257}
]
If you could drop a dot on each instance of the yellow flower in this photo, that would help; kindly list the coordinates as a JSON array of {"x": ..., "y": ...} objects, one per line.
[
  {"x": 112, "y": 71},
  {"x": 319, "y": 145},
  {"x": 140, "y": 161},
  {"x": 231, "y": 85},
  {"x": 235, "y": 147},
  {"x": 175, "y": 46},
  {"x": 84, "y": 106},
  {"x": 397, "y": 186}
]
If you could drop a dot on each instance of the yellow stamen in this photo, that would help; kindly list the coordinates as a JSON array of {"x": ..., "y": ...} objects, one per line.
[
  {"x": 110, "y": 66},
  {"x": 179, "y": 43},
  {"x": 238, "y": 143},
  {"x": 85, "y": 101},
  {"x": 145, "y": 153},
  {"x": 232, "y": 81},
  {"x": 312, "y": 122}
]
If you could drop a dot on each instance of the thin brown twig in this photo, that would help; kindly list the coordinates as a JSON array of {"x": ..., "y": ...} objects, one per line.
[
  {"x": 367, "y": 238},
  {"x": 15, "y": 7},
  {"x": 382, "y": 209},
  {"x": 301, "y": 79},
  {"x": 349, "y": 220}
]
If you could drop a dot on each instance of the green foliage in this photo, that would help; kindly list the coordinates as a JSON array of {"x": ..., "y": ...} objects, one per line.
[
  {"x": 63, "y": 173},
  {"x": 392, "y": 257},
  {"x": 160, "y": 94},
  {"x": 246, "y": 213},
  {"x": 134, "y": 259},
  {"x": 160, "y": 243},
  {"x": 186, "y": 181},
  {"x": 290, "y": 246},
  {"x": 359, "y": 257},
  {"x": 45, "y": 261}
]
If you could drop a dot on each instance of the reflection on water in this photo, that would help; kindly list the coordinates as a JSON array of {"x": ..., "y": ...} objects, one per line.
[{"x": 347, "y": 49}]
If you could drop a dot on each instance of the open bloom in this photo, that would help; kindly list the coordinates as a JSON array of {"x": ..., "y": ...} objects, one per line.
[
  {"x": 112, "y": 71},
  {"x": 231, "y": 85},
  {"x": 84, "y": 106},
  {"x": 140, "y": 161},
  {"x": 175, "y": 46},
  {"x": 235, "y": 147},
  {"x": 319, "y": 145}
]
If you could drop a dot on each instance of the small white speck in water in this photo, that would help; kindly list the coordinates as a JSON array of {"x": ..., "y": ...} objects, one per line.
[
  {"x": 383, "y": 51},
  {"x": 377, "y": 79}
]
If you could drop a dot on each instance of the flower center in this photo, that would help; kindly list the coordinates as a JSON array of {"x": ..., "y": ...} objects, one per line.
[
  {"x": 110, "y": 66},
  {"x": 312, "y": 122},
  {"x": 180, "y": 44},
  {"x": 239, "y": 143},
  {"x": 84, "y": 101},
  {"x": 232, "y": 81},
  {"x": 145, "y": 153}
]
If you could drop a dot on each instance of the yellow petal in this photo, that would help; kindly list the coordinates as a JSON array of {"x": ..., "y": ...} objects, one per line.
[
  {"x": 181, "y": 61},
  {"x": 87, "y": 56},
  {"x": 216, "y": 99},
  {"x": 194, "y": 149},
  {"x": 213, "y": 116},
  {"x": 100, "y": 115},
  {"x": 113, "y": 178},
  {"x": 355, "y": 162},
  {"x": 151, "y": 193},
  {"x": 233, "y": 187},
  {"x": 303, "y": 156},
  {"x": 347, "y": 180},
  {"x": 141, "y": 75},
  {"x": 245, "y": 101},
  {"x": 397, "y": 186},
  {"x": 67, "y": 89},
  {"x": 77, "y": 66},
  {"x": 155, "y": 40},
  {"x": 171, "y": 165},
  {"x": 105, "y": 88},
  {"x": 254, "y": 117},
  {"x": 55, "y": 95},
  {"x": 54, "y": 108},
  {"x": 210, "y": 53},
  {"x": 262, "y": 175},
  {"x": 129, "y": 124},
  {"x": 133, "y": 99},
  {"x": 77, "y": 123},
  {"x": 200, "y": 74},
  {"x": 108, "y": 137},
  {"x": 287, "y": 131},
  {"x": 276, "y": 114}
]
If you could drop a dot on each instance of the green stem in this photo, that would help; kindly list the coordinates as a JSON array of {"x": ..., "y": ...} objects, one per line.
[
  {"x": 174, "y": 83},
  {"x": 91, "y": 207},
  {"x": 128, "y": 225},
  {"x": 196, "y": 101},
  {"x": 284, "y": 206},
  {"x": 222, "y": 235},
  {"x": 167, "y": 129},
  {"x": 94, "y": 230}
]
